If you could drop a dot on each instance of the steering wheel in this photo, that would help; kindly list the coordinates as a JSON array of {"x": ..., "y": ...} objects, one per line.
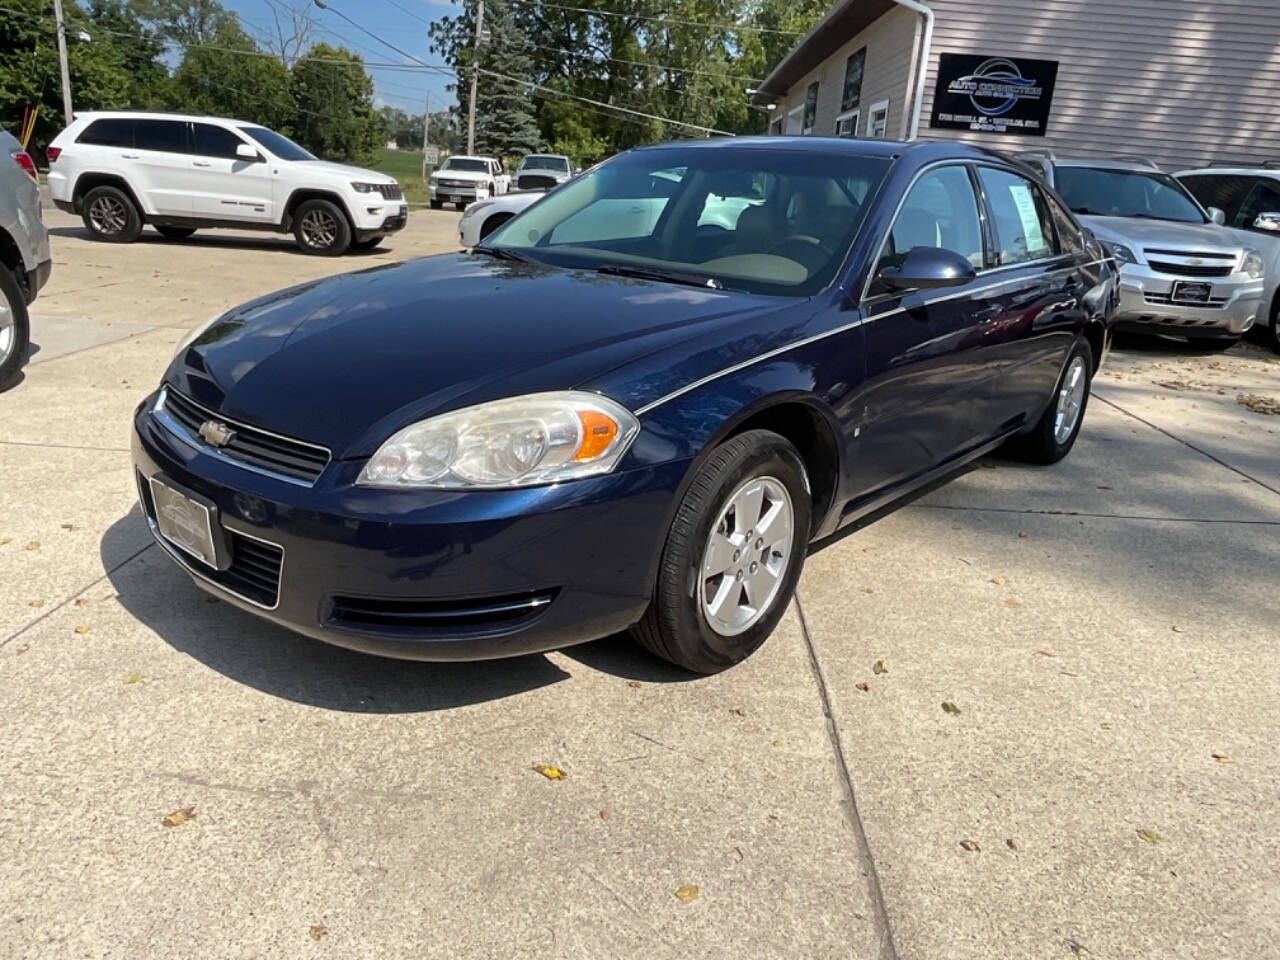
[{"x": 806, "y": 250}]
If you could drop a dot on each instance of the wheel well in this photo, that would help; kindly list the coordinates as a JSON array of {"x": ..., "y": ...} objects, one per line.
[
  {"x": 299, "y": 197},
  {"x": 493, "y": 222},
  {"x": 87, "y": 181},
  {"x": 812, "y": 435},
  {"x": 11, "y": 260}
]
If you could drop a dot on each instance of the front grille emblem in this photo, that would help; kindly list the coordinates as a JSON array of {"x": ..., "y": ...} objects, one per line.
[{"x": 216, "y": 434}]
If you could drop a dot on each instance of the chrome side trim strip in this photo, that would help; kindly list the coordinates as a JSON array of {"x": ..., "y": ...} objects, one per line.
[{"x": 702, "y": 381}]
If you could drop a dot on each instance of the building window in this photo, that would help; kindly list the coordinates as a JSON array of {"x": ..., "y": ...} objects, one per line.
[
  {"x": 853, "y": 70},
  {"x": 810, "y": 108},
  {"x": 878, "y": 120},
  {"x": 847, "y": 124}
]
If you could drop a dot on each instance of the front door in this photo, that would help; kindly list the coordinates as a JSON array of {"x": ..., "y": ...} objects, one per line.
[
  {"x": 225, "y": 186},
  {"x": 161, "y": 165},
  {"x": 925, "y": 375}
]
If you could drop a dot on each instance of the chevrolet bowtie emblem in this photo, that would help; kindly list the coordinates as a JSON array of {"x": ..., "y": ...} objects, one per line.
[{"x": 216, "y": 434}]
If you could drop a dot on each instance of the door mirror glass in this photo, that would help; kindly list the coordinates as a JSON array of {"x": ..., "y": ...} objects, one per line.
[
  {"x": 1216, "y": 215},
  {"x": 1268, "y": 221},
  {"x": 246, "y": 152},
  {"x": 928, "y": 268}
]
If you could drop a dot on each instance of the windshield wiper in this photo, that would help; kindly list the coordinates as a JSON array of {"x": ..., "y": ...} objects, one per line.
[
  {"x": 501, "y": 253},
  {"x": 662, "y": 276}
]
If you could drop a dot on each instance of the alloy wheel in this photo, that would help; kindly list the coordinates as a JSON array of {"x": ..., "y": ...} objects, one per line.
[
  {"x": 8, "y": 330},
  {"x": 108, "y": 215},
  {"x": 745, "y": 560},
  {"x": 319, "y": 229},
  {"x": 1070, "y": 400}
]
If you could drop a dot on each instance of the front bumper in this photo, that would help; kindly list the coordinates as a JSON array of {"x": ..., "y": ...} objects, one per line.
[
  {"x": 375, "y": 217},
  {"x": 1147, "y": 303},
  {"x": 582, "y": 553},
  {"x": 458, "y": 193}
]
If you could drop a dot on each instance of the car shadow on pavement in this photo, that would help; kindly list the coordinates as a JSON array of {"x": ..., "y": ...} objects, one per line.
[
  {"x": 281, "y": 242},
  {"x": 281, "y": 663}
]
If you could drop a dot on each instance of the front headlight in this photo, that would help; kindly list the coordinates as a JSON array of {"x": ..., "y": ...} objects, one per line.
[
  {"x": 1252, "y": 264},
  {"x": 1118, "y": 250},
  {"x": 194, "y": 335},
  {"x": 359, "y": 187},
  {"x": 475, "y": 208},
  {"x": 521, "y": 441}
]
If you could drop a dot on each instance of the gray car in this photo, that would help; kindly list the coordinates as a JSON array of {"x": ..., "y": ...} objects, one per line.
[
  {"x": 1250, "y": 199},
  {"x": 1181, "y": 272},
  {"x": 25, "y": 262}
]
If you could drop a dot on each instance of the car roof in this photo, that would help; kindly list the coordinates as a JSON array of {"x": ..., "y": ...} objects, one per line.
[
  {"x": 466, "y": 156},
  {"x": 1099, "y": 163},
  {"x": 1271, "y": 172},
  {"x": 161, "y": 115}
]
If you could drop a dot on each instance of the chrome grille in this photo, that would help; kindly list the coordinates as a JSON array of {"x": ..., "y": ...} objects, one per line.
[
  {"x": 1188, "y": 270},
  {"x": 252, "y": 447},
  {"x": 390, "y": 191},
  {"x": 535, "y": 181}
]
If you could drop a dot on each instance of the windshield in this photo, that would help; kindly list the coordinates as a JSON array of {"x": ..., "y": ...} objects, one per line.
[
  {"x": 765, "y": 221},
  {"x": 466, "y": 165},
  {"x": 1126, "y": 193},
  {"x": 545, "y": 163},
  {"x": 280, "y": 145}
]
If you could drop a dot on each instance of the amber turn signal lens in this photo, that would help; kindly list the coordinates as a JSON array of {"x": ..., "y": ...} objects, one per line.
[{"x": 598, "y": 431}]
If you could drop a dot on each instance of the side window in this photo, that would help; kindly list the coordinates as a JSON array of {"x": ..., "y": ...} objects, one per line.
[
  {"x": 1263, "y": 198},
  {"x": 214, "y": 141},
  {"x": 940, "y": 211},
  {"x": 1023, "y": 227},
  {"x": 1070, "y": 240},
  {"x": 1223, "y": 190},
  {"x": 167, "y": 135},
  {"x": 108, "y": 132}
]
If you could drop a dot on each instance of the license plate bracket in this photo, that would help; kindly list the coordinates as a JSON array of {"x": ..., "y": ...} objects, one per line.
[
  {"x": 1191, "y": 291},
  {"x": 189, "y": 522}
]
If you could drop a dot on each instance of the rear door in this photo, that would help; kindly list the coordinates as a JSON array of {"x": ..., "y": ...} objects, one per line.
[
  {"x": 225, "y": 186},
  {"x": 1035, "y": 298},
  {"x": 161, "y": 164},
  {"x": 925, "y": 376}
]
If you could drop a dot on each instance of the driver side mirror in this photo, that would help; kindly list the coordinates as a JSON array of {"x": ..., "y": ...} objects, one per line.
[
  {"x": 246, "y": 152},
  {"x": 928, "y": 268},
  {"x": 1216, "y": 215},
  {"x": 1269, "y": 222}
]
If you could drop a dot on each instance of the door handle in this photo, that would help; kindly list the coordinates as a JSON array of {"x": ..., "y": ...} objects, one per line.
[{"x": 201, "y": 163}]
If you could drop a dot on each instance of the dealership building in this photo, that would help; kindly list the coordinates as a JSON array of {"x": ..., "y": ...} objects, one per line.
[{"x": 1182, "y": 83}]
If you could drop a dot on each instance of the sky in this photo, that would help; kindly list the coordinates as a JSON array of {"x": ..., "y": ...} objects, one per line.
[{"x": 398, "y": 88}]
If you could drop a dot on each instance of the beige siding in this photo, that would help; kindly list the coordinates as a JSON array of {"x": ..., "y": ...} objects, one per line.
[
  {"x": 1184, "y": 83},
  {"x": 889, "y": 42}
]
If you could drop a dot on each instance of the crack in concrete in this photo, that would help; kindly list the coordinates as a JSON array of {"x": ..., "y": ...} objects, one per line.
[
  {"x": 1188, "y": 443},
  {"x": 1091, "y": 516},
  {"x": 88, "y": 586},
  {"x": 888, "y": 950}
]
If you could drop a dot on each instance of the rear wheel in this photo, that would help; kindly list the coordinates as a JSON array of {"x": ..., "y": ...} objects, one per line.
[
  {"x": 176, "y": 233},
  {"x": 1273, "y": 332},
  {"x": 1055, "y": 433},
  {"x": 321, "y": 228},
  {"x": 732, "y": 556},
  {"x": 15, "y": 330},
  {"x": 109, "y": 214}
]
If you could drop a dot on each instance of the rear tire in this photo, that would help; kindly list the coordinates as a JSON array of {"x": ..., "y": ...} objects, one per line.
[
  {"x": 493, "y": 223},
  {"x": 1273, "y": 332},
  {"x": 321, "y": 228},
  {"x": 1055, "y": 432},
  {"x": 15, "y": 328},
  {"x": 176, "y": 233},
  {"x": 110, "y": 215},
  {"x": 437, "y": 204},
  {"x": 721, "y": 590}
]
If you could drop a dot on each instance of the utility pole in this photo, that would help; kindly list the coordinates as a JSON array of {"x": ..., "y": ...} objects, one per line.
[
  {"x": 426, "y": 126},
  {"x": 62, "y": 60},
  {"x": 475, "y": 73}
]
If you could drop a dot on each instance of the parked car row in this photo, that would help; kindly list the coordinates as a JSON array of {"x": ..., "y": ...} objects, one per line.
[{"x": 462, "y": 179}]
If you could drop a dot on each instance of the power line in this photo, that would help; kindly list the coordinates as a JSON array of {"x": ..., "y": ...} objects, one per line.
[
  {"x": 642, "y": 63},
  {"x": 658, "y": 19}
]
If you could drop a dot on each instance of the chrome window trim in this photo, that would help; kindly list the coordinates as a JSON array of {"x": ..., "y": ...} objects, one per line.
[
  {"x": 165, "y": 419},
  {"x": 777, "y": 351}
]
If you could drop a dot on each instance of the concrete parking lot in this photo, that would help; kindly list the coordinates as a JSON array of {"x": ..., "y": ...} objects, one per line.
[{"x": 1068, "y": 747}]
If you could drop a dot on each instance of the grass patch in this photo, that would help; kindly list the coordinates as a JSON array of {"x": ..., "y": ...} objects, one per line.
[{"x": 406, "y": 167}]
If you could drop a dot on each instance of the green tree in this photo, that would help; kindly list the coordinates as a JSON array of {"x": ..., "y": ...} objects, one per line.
[
  {"x": 186, "y": 22},
  {"x": 333, "y": 99},
  {"x": 228, "y": 78},
  {"x": 116, "y": 22}
]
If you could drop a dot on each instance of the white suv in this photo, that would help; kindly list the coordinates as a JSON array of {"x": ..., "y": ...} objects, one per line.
[{"x": 119, "y": 170}]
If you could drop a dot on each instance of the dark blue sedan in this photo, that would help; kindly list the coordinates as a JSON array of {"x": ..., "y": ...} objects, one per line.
[{"x": 634, "y": 408}]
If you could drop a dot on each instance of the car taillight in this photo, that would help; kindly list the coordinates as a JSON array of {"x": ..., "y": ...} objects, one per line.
[
  {"x": 52, "y": 153},
  {"x": 24, "y": 161}
]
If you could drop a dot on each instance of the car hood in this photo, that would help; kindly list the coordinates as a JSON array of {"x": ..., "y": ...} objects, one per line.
[
  {"x": 1135, "y": 232},
  {"x": 349, "y": 172},
  {"x": 346, "y": 361}
]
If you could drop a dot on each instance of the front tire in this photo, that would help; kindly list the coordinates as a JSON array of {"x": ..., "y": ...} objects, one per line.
[
  {"x": 1273, "y": 332},
  {"x": 321, "y": 228},
  {"x": 732, "y": 557},
  {"x": 176, "y": 233},
  {"x": 110, "y": 215},
  {"x": 15, "y": 328},
  {"x": 437, "y": 204},
  {"x": 1055, "y": 432}
]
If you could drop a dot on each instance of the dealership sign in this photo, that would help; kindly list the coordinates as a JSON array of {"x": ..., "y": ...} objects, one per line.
[{"x": 993, "y": 94}]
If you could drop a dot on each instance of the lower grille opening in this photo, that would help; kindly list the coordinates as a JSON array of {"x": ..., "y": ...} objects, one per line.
[{"x": 440, "y": 616}]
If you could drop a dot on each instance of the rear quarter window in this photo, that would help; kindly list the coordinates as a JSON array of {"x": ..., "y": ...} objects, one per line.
[{"x": 108, "y": 132}]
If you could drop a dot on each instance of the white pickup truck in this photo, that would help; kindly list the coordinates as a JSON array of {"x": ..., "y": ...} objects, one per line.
[{"x": 461, "y": 179}]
